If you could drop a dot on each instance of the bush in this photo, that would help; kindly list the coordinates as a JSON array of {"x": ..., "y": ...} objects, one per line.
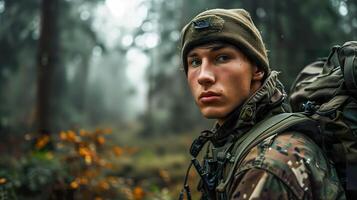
[{"x": 68, "y": 165}]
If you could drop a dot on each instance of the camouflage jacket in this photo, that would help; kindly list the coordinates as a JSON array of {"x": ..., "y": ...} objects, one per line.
[{"x": 286, "y": 166}]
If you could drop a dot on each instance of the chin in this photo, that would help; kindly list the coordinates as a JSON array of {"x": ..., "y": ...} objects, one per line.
[{"x": 214, "y": 113}]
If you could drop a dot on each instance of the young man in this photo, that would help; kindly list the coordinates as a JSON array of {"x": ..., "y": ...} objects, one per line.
[{"x": 228, "y": 72}]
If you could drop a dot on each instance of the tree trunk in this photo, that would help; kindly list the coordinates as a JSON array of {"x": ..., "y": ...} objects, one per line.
[
  {"x": 80, "y": 83},
  {"x": 47, "y": 62}
]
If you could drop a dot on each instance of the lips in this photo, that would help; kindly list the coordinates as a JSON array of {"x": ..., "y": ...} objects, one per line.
[{"x": 209, "y": 97}]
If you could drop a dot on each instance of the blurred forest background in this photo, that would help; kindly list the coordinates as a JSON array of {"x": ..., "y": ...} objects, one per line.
[{"x": 93, "y": 101}]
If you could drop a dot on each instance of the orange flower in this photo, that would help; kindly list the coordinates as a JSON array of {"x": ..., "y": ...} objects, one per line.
[
  {"x": 138, "y": 193},
  {"x": 86, "y": 153},
  {"x": 74, "y": 184},
  {"x": 104, "y": 185},
  {"x": 71, "y": 136},
  {"x": 3, "y": 181},
  {"x": 63, "y": 135},
  {"x": 118, "y": 151},
  {"x": 42, "y": 141},
  {"x": 100, "y": 140},
  {"x": 88, "y": 160}
]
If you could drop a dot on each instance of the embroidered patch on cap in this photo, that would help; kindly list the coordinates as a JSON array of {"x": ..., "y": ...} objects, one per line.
[
  {"x": 206, "y": 24},
  {"x": 201, "y": 24}
]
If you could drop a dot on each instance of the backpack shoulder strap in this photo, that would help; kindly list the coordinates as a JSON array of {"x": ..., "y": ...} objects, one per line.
[
  {"x": 347, "y": 55},
  {"x": 350, "y": 68},
  {"x": 260, "y": 132}
]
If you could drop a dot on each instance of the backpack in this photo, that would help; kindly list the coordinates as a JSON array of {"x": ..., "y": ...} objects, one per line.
[
  {"x": 323, "y": 98},
  {"x": 263, "y": 130},
  {"x": 326, "y": 91}
]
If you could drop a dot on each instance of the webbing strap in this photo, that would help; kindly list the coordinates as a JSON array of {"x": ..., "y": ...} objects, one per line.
[
  {"x": 350, "y": 72},
  {"x": 257, "y": 134},
  {"x": 332, "y": 61}
]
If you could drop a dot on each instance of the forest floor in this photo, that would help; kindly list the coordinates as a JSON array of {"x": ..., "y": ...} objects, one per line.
[
  {"x": 160, "y": 164},
  {"x": 98, "y": 164}
]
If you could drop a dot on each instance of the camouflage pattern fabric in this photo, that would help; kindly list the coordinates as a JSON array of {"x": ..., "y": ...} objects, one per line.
[
  {"x": 289, "y": 166},
  {"x": 286, "y": 166},
  {"x": 326, "y": 90}
]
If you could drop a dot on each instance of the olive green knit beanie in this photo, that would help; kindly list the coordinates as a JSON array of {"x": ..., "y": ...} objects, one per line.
[{"x": 233, "y": 26}]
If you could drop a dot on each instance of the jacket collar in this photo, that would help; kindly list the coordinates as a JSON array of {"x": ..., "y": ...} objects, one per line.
[{"x": 268, "y": 100}]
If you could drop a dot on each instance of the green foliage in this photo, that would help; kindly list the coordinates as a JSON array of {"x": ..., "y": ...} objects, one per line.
[
  {"x": 83, "y": 165},
  {"x": 88, "y": 165}
]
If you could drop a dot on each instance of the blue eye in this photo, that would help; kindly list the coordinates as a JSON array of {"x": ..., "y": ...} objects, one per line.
[
  {"x": 222, "y": 58},
  {"x": 195, "y": 62}
]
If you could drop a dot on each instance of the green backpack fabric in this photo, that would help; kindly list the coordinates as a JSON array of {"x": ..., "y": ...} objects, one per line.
[
  {"x": 323, "y": 99},
  {"x": 326, "y": 91},
  {"x": 261, "y": 131}
]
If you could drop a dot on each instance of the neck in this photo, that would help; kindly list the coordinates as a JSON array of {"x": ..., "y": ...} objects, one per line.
[
  {"x": 221, "y": 121},
  {"x": 255, "y": 85}
]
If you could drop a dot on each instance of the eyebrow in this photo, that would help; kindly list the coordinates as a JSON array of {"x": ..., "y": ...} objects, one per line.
[{"x": 211, "y": 47}]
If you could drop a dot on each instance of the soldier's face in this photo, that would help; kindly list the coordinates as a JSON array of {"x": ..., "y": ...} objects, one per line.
[{"x": 221, "y": 78}]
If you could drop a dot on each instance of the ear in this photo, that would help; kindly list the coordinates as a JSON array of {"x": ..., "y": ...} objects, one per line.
[{"x": 258, "y": 73}]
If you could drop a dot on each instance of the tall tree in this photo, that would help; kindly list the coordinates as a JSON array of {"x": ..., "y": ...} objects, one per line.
[{"x": 48, "y": 62}]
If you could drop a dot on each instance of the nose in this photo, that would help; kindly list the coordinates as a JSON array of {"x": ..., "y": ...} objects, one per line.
[{"x": 206, "y": 76}]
